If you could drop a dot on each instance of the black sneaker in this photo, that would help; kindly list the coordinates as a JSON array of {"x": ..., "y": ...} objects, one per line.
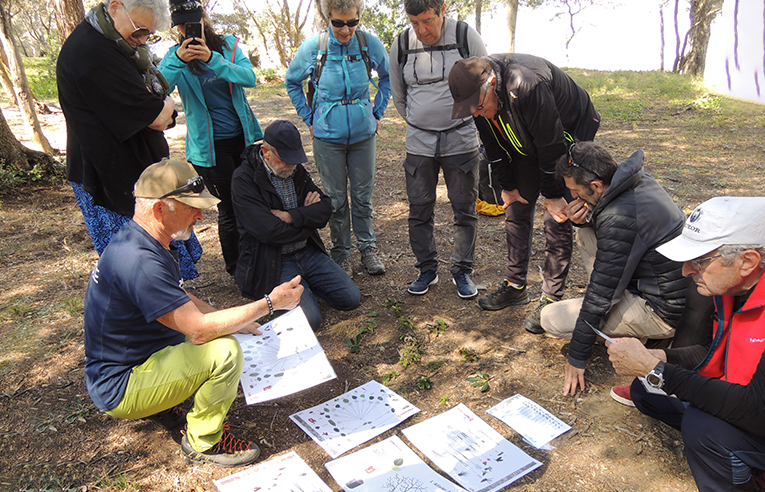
[
  {"x": 506, "y": 295},
  {"x": 228, "y": 452},
  {"x": 533, "y": 323},
  {"x": 172, "y": 419}
]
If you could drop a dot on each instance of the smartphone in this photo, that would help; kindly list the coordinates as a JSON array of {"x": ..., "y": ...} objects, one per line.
[{"x": 194, "y": 30}]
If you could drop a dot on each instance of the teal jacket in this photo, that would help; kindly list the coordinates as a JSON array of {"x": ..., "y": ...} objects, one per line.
[
  {"x": 341, "y": 80},
  {"x": 200, "y": 150}
]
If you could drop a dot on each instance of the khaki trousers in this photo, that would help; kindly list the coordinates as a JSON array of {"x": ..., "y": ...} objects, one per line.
[{"x": 632, "y": 316}]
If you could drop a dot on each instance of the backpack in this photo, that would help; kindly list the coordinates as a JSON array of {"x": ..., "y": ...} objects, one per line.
[
  {"x": 321, "y": 59},
  {"x": 403, "y": 46}
]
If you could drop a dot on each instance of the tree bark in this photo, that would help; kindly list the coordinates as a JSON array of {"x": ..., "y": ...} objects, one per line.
[
  {"x": 22, "y": 93},
  {"x": 17, "y": 156},
  {"x": 478, "y": 10},
  {"x": 512, "y": 18},
  {"x": 69, "y": 13},
  {"x": 703, "y": 13}
]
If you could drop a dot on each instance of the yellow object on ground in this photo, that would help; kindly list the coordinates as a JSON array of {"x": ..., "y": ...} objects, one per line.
[{"x": 487, "y": 208}]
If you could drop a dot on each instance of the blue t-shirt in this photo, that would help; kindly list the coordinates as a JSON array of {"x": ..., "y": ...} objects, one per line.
[
  {"x": 217, "y": 96},
  {"x": 135, "y": 282}
]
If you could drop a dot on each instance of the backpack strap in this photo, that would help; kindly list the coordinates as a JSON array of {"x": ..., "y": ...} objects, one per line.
[
  {"x": 321, "y": 56},
  {"x": 403, "y": 52},
  {"x": 462, "y": 42},
  {"x": 460, "y": 45}
]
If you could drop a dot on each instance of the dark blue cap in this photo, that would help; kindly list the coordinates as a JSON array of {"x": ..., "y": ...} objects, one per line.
[{"x": 284, "y": 137}]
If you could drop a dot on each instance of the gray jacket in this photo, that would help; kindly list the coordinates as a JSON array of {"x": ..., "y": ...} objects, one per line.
[{"x": 422, "y": 95}]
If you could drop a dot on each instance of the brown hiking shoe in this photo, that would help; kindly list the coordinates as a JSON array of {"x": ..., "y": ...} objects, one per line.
[
  {"x": 228, "y": 452},
  {"x": 371, "y": 262},
  {"x": 533, "y": 323},
  {"x": 506, "y": 295}
]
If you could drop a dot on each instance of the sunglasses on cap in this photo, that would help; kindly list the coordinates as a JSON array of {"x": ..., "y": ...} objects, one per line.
[
  {"x": 340, "y": 24},
  {"x": 195, "y": 184},
  {"x": 572, "y": 163},
  {"x": 141, "y": 32},
  {"x": 185, "y": 7}
]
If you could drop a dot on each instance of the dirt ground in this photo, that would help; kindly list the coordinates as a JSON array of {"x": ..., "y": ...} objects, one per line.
[{"x": 53, "y": 438}]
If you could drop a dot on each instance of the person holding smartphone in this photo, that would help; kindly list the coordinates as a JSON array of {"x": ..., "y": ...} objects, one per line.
[{"x": 211, "y": 72}]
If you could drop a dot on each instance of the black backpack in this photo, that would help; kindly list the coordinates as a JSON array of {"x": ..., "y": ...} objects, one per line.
[
  {"x": 321, "y": 60},
  {"x": 461, "y": 45}
]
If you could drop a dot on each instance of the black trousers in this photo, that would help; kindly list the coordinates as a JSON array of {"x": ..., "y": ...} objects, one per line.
[
  {"x": 721, "y": 456},
  {"x": 218, "y": 181}
]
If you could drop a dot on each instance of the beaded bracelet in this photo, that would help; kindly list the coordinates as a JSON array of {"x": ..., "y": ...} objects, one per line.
[{"x": 270, "y": 306}]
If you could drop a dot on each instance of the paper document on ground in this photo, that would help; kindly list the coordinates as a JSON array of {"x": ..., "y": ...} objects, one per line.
[
  {"x": 285, "y": 359},
  {"x": 387, "y": 466},
  {"x": 470, "y": 451},
  {"x": 353, "y": 418},
  {"x": 527, "y": 418},
  {"x": 287, "y": 473}
]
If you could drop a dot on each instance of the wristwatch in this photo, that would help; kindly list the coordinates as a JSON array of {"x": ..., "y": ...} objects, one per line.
[{"x": 656, "y": 377}]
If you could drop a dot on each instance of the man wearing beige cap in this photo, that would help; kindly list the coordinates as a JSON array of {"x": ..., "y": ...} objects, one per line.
[
  {"x": 149, "y": 344},
  {"x": 718, "y": 388},
  {"x": 528, "y": 112}
]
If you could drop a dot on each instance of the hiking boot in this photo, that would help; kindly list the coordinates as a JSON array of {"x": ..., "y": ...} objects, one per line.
[
  {"x": 465, "y": 287},
  {"x": 622, "y": 395},
  {"x": 371, "y": 262},
  {"x": 172, "y": 419},
  {"x": 228, "y": 452},
  {"x": 506, "y": 295},
  {"x": 424, "y": 280},
  {"x": 532, "y": 322},
  {"x": 346, "y": 266}
]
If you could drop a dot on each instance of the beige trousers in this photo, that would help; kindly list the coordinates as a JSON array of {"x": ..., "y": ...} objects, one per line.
[{"x": 632, "y": 316}]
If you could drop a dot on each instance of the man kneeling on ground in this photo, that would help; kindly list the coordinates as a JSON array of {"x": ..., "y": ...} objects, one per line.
[
  {"x": 717, "y": 389},
  {"x": 149, "y": 344}
]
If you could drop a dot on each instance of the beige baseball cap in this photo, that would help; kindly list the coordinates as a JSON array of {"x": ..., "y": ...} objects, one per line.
[{"x": 174, "y": 179}]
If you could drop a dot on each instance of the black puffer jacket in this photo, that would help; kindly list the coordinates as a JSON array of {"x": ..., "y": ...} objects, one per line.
[
  {"x": 633, "y": 217},
  {"x": 262, "y": 234}
]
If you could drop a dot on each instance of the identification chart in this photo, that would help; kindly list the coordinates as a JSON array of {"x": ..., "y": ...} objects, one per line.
[
  {"x": 353, "y": 418},
  {"x": 387, "y": 466},
  {"x": 469, "y": 450},
  {"x": 529, "y": 419},
  {"x": 286, "y": 473},
  {"x": 285, "y": 359}
]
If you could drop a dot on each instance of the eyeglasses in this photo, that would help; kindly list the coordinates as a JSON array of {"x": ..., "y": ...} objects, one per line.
[
  {"x": 573, "y": 163},
  {"x": 483, "y": 100},
  {"x": 698, "y": 263},
  {"x": 185, "y": 7},
  {"x": 141, "y": 32},
  {"x": 340, "y": 24},
  {"x": 195, "y": 184}
]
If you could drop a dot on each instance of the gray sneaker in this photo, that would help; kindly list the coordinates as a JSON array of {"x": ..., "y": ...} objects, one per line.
[
  {"x": 347, "y": 266},
  {"x": 371, "y": 262},
  {"x": 533, "y": 323}
]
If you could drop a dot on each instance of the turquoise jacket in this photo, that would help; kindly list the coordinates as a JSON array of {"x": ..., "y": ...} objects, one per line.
[
  {"x": 200, "y": 150},
  {"x": 341, "y": 80}
]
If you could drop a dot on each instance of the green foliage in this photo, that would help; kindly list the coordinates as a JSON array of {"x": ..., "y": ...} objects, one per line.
[
  {"x": 444, "y": 401},
  {"x": 41, "y": 74},
  {"x": 480, "y": 380},
  {"x": 469, "y": 354},
  {"x": 267, "y": 74},
  {"x": 393, "y": 305},
  {"x": 437, "y": 328},
  {"x": 369, "y": 324},
  {"x": 390, "y": 376},
  {"x": 424, "y": 383},
  {"x": 435, "y": 365},
  {"x": 409, "y": 356}
]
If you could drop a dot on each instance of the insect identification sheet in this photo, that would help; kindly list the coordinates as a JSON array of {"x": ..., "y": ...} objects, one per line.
[
  {"x": 353, "y": 418},
  {"x": 387, "y": 466},
  {"x": 285, "y": 359},
  {"x": 469, "y": 450},
  {"x": 286, "y": 473},
  {"x": 529, "y": 419}
]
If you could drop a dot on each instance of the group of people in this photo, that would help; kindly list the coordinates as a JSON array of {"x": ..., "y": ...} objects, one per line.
[{"x": 150, "y": 344}]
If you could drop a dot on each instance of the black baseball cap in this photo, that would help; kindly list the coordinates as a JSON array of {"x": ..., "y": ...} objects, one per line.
[
  {"x": 284, "y": 137},
  {"x": 465, "y": 81},
  {"x": 183, "y": 11}
]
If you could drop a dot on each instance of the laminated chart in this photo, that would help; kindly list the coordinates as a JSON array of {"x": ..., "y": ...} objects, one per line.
[
  {"x": 286, "y": 473},
  {"x": 470, "y": 451},
  {"x": 529, "y": 419},
  {"x": 353, "y": 418},
  {"x": 387, "y": 466},
  {"x": 285, "y": 359}
]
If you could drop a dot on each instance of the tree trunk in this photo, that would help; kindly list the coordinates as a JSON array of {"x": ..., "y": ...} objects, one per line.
[
  {"x": 22, "y": 93},
  {"x": 703, "y": 13},
  {"x": 512, "y": 18},
  {"x": 17, "y": 156},
  {"x": 478, "y": 10},
  {"x": 69, "y": 13}
]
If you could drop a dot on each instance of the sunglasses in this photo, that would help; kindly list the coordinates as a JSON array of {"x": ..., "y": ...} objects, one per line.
[
  {"x": 340, "y": 24},
  {"x": 185, "y": 7},
  {"x": 141, "y": 32},
  {"x": 193, "y": 185},
  {"x": 572, "y": 163}
]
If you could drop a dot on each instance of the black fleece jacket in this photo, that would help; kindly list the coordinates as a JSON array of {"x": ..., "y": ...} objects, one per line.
[
  {"x": 262, "y": 234},
  {"x": 632, "y": 218}
]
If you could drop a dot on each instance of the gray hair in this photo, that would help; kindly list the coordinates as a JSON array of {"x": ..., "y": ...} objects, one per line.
[
  {"x": 345, "y": 6},
  {"x": 729, "y": 251},
  {"x": 159, "y": 9},
  {"x": 143, "y": 205},
  {"x": 416, "y": 7}
]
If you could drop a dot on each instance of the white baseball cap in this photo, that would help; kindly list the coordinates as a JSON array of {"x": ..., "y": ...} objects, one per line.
[{"x": 717, "y": 222}]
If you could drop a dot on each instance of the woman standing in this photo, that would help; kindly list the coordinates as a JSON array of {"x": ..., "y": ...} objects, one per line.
[
  {"x": 343, "y": 122},
  {"x": 211, "y": 73}
]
